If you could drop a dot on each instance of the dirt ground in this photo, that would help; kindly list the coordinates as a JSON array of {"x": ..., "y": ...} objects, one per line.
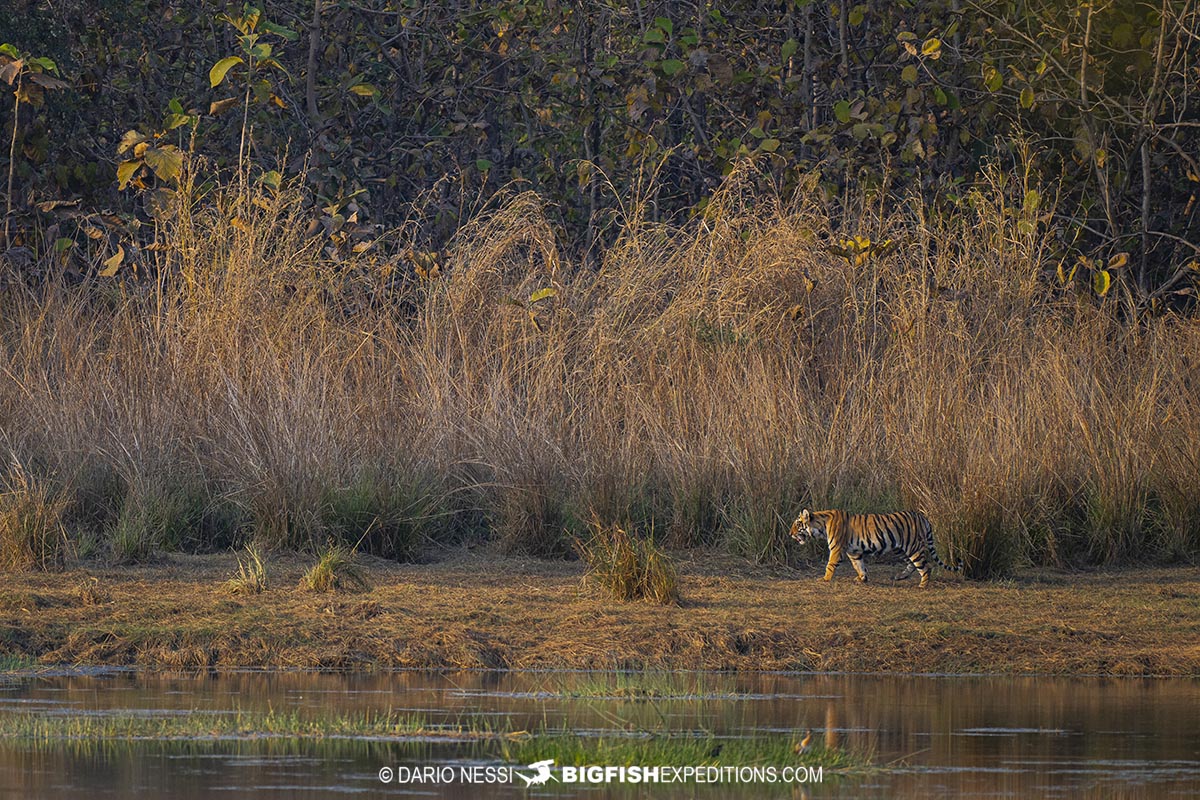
[{"x": 477, "y": 609}]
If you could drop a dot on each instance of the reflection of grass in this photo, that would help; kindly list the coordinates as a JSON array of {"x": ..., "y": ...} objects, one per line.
[
  {"x": 649, "y": 685},
  {"x": 678, "y": 748},
  {"x": 486, "y": 736}
]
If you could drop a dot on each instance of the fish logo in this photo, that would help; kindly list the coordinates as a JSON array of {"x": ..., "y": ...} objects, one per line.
[{"x": 543, "y": 772}]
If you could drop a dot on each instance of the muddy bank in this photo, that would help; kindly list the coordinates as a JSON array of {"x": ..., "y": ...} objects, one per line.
[{"x": 480, "y": 610}]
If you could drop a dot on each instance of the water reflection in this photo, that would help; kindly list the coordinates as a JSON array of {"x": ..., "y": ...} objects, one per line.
[{"x": 940, "y": 736}]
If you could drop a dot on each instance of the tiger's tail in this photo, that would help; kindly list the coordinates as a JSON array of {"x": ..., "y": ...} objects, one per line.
[{"x": 933, "y": 550}]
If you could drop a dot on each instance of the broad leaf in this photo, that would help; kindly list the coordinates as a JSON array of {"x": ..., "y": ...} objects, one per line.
[
  {"x": 221, "y": 106},
  {"x": 113, "y": 263},
  {"x": 217, "y": 74},
  {"x": 166, "y": 161},
  {"x": 126, "y": 171},
  {"x": 130, "y": 139}
]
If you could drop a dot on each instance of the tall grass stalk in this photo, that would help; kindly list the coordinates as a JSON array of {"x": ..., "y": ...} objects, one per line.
[{"x": 707, "y": 376}]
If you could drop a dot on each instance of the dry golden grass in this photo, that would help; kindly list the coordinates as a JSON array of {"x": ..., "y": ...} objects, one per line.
[
  {"x": 628, "y": 566},
  {"x": 710, "y": 378},
  {"x": 485, "y": 610}
]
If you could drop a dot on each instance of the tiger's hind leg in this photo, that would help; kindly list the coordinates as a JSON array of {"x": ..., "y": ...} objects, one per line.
[
  {"x": 909, "y": 568},
  {"x": 920, "y": 565}
]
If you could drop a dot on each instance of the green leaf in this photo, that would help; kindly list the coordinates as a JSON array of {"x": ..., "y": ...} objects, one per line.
[
  {"x": 769, "y": 145},
  {"x": 992, "y": 78},
  {"x": 909, "y": 74},
  {"x": 45, "y": 63},
  {"x": 272, "y": 179},
  {"x": 1033, "y": 200},
  {"x": 672, "y": 66},
  {"x": 279, "y": 30},
  {"x": 855, "y": 17},
  {"x": 166, "y": 161},
  {"x": 482, "y": 164},
  {"x": 9, "y": 50},
  {"x": 1027, "y": 97},
  {"x": 789, "y": 49},
  {"x": 939, "y": 95},
  {"x": 841, "y": 110},
  {"x": 664, "y": 24},
  {"x": 173, "y": 121},
  {"x": 217, "y": 74},
  {"x": 542, "y": 294},
  {"x": 1101, "y": 282},
  {"x": 63, "y": 244},
  {"x": 655, "y": 36},
  {"x": 126, "y": 170},
  {"x": 273, "y": 64}
]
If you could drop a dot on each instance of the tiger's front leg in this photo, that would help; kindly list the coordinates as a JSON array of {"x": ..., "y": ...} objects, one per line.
[
  {"x": 835, "y": 557},
  {"x": 856, "y": 561}
]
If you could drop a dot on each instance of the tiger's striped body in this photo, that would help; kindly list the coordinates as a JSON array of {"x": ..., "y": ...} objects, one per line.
[{"x": 858, "y": 535}]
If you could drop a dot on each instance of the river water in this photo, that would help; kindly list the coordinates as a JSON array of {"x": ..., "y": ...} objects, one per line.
[{"x": 934, "y": 736}]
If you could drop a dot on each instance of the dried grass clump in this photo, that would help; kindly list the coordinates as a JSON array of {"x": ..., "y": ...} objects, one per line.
[
  {"x": 251, "y": 577},
  {"x": 335, "y": 570},
  {"x": 629, "y": 567},
  {"x": 31, "y": 522}
]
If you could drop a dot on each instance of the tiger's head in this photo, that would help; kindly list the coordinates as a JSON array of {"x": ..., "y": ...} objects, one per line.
[{"x": 802, "y": 528}]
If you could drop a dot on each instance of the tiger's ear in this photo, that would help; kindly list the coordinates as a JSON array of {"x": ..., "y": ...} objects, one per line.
[{"x": 805, "y": 516}]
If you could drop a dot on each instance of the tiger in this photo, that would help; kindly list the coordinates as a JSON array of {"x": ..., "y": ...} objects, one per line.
[{"x": 857, "y": 535}]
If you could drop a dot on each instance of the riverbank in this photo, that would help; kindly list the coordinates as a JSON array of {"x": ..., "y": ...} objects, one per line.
[{"x": 476, "y": 609}]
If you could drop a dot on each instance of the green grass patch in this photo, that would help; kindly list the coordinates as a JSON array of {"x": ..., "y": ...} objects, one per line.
[
  {"x": 234, "y": 725},
  {"x": 13, "y": 662}
]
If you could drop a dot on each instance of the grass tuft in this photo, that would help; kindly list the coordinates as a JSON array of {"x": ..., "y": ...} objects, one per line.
[
  {"x": 335, "y": 570},
  {"x": 31, "y": 522},
  {"x": 629, "y": 567},
  {"x": 251, "y": 577}
]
